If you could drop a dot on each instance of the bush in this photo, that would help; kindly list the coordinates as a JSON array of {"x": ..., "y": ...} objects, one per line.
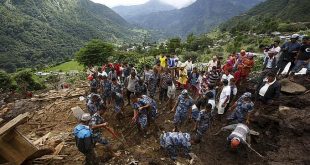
[
  {"x": 25, "y": 82},
  {"x": 5, "y": 81}
]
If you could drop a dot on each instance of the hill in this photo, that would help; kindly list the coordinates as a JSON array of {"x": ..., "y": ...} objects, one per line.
[
  {"x": 199, "y": 17},
  {"x": 130, "y": 12},
  {"x": 272, "y": 15},
  {"x": 35, "y": 33}
]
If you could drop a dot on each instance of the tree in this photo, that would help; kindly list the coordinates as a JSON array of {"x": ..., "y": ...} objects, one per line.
[
  {"x": 5, "y": 81},
  {"x": 173, "y": 44},
  {"x": 95, "y": 52},
  {"x": 53, "y": 80},
  {"x": 25, "y": 81}
]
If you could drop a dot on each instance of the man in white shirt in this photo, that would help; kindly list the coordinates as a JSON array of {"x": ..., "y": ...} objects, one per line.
[
  {"x": 224, "y": 97},
  {"x": 270, "y": 89},
  {"x": 212, "y": 63},
  {"x": 130, "y": 83},
  {"x": 189, "y": 66},
  {"x": 227, "y": 76}
]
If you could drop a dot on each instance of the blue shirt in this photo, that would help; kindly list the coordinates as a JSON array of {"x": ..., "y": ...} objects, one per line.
[
  {"x": 184, "y": 104},
  {"x": 177, "y": 139}
]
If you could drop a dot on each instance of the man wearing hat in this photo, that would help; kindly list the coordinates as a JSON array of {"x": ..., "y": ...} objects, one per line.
[
  {"x": 242, "y": 107},
  {"x": 182, "y": 108},
  {"x": 289, "y": 52}
]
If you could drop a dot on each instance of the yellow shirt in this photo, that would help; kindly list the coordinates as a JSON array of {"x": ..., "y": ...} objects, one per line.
[{"x": 163, "y": 62}]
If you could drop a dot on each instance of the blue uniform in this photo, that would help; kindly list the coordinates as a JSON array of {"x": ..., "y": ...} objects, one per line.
[
  {"x": 119, "y": 102},
  {"x": 83, "y": 136},
  {"x": 107, "y": 88},
  {"x": 241, "y": 110},
  {"x": 195, "y": 112},
  {"x": 96, "y": 119},
  {"x": 116, "y": 88},
  {"x": 93, "y": 106},
  {"x": 153, "y": 80},
  {"x": 152, "y": 102},
  {"x": 204, "y": 119},
  {"x": 142, "y": 116},
  {"x": 182, "y": 109},
  {"x": 171, "y": 141},
  {"x": 141, "y": 88}
]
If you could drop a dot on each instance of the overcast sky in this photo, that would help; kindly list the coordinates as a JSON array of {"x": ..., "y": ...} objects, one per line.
[{"x": 113, "y": 3}]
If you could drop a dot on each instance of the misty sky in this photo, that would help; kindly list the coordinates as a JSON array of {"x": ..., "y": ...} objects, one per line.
[{"x": 113, "y": 3}]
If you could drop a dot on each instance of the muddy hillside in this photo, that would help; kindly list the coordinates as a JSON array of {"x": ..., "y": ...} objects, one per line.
[{"x": 283, "y": 127}]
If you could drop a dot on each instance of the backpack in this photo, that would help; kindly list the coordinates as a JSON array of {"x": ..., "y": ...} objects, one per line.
[{"x": 83, "y": 138}]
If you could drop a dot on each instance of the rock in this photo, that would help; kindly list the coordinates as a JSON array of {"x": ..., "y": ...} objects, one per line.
[
  {"x": 195, "y": 160},
  {"x": 290, "y": 87}
]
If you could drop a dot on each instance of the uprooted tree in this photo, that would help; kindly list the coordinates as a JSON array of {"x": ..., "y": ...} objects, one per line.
[{"x": 94, "y": 52}]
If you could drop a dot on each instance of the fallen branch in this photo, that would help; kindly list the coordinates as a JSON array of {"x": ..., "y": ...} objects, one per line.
[
  {"x": 58, "y": 148},
  {"x": 45, "y": 127},
  {"x": 41, "y": 140}
]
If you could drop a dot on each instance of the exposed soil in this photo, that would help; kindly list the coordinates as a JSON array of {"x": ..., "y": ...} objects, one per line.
[{"x": 284, "y": 135}]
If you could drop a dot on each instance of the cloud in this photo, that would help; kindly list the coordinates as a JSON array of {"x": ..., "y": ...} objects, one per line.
[
  {"x": 113, "y": 3},
  {"x": 178, "y": 3}
]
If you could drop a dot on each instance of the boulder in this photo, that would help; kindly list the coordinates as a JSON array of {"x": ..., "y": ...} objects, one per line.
[{"x": 290, "y": 87}]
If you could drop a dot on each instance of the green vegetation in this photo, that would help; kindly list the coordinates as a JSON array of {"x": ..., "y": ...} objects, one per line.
[
  {"x": 41, "y": 33},
  {"x": 5, "y": 81},
  {"x": 25, "y": 81},
  {"x": 65, "y": 67},
  {"x": 95, "y": 52},
  {"x": 199, "y": 17},
  {"x": 272, "y": 15}
]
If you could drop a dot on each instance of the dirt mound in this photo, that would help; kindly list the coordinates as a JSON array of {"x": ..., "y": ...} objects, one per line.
[{"x": 284, "y": 133}]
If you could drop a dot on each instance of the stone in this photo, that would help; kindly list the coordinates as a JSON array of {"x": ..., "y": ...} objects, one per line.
[{"x": 290, "y": 87}]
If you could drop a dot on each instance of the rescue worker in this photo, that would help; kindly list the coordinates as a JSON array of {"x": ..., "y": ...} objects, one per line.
[
  {"x": 204, "y": 120},
  {"x": 140, "y": 113},
  {"x": 243, "y": 106},
  {"x": 96, "y": 124},
  {"x": 106, "y": 86},
  {"x": 93, "y": 103},
  {"x": 172, "y": 141},
  {"x": 118, "y": 104},
  {"x": 83, "y": 138},
  {"x": 181, "y": 109}
]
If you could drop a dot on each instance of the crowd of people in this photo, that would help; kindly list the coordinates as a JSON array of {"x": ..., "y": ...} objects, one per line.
[{"x": 201, "y": 95}]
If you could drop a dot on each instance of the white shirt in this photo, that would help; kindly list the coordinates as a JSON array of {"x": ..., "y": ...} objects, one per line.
[
  {"x": 103, "y": 73},
  {"x": 132, "y": 83},
  {"x": 228, "y": 78},
  {"x": 189, "y": 65},
  {"x": 212, "y": 102},
  {"x": 264, "y": 89},
  {"x": 225, "y": 93},
  {"x": 211, "y": 64}
]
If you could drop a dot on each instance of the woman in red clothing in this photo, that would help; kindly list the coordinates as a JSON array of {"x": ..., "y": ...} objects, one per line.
[{"x": 244, "y": 69}]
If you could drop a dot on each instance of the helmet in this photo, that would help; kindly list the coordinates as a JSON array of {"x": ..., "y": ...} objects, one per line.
[
  {"x": 247, "y": 94},
  {"x": 295, "y": 36},
  {"x": 85, "y": 117},
  {"x": 184, "y": 92},
  {"x": 90, "y": 77},
  {"x": 234, "y": 143}
]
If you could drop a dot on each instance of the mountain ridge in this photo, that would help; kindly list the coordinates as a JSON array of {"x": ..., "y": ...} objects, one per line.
[
  {"x": 129, "y": 12},
  {"x": 36, "y": 33},
  {"x": 199, "y": 17}
]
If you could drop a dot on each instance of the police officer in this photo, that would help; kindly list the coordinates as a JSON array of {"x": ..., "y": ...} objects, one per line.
[
  {"x": 172, "y": 141},
  {"x": 96, "y": 124},
  {"x": 181, "y": 108},
  {"x": 243, "y": 107},
  {"x": 84, "y": 142}
]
